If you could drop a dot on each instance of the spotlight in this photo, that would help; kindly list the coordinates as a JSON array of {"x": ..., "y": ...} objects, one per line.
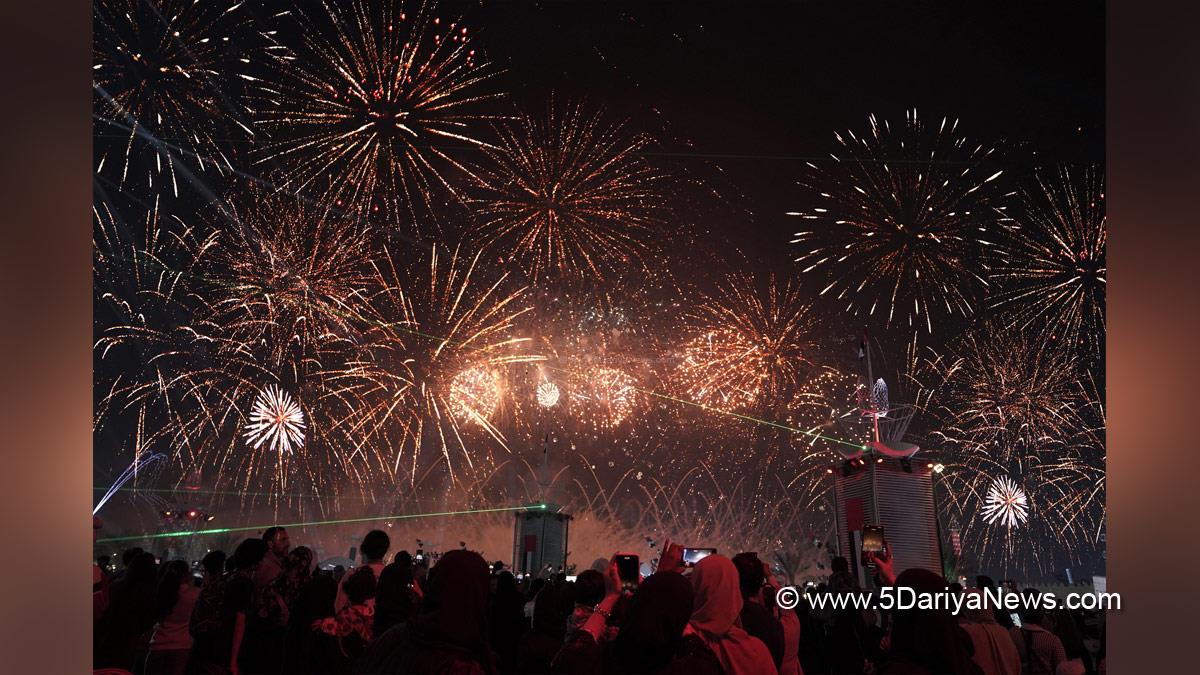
[
  {"x": 879, "y": 460},
  {"x": 938, "y": 468}
]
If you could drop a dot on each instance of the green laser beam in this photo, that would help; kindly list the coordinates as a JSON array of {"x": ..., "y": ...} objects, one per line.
[
  {"x": 334, "y": 308},
  {"x": 785, "y": 427},
  {"x": 314, "y": 523},
  {"x": 812, "y": 434}
]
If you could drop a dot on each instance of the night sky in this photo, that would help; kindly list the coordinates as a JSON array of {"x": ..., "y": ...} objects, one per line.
[{"x": 739, "y": 95}]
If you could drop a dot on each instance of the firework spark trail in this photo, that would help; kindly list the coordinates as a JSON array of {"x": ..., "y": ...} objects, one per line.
[
  {"x": 1050, "y": 269},
  {"x": 287, "y": 274},
  {"x": 567, "y": 195},
  {"x": 1006, "y": 395},
  {"x": 139, "y": 463},
  {"x": 432, "y": 322},
  {"x": 356, "y": 103},
  {"x": 200, "y": 369},
  {"x": 748, "y": 345},
  {"x": 900, "y": 216},
  {"x": 1005, "y": 405},
  {"x": 343, "y": 387},
  {"x": 159, "y": 71}
]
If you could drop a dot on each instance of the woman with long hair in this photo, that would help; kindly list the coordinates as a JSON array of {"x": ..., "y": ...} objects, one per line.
[{"x": 171, "y": 644}]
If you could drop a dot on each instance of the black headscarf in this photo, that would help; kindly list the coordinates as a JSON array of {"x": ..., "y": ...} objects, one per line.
[
  {"x": 450, "y": 628},
  {"x": 394, "y": 602},
  {"x": 653, "y": 628},
  {"x": 929, "y": 638}
]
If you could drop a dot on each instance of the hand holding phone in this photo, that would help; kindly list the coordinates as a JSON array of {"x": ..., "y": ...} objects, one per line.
[
  {"x": 872, "y": 538},
  {"x": 627, "y": 570},
  {"x": 693, "y": 555},
  {"x": 671, "y": 559}
]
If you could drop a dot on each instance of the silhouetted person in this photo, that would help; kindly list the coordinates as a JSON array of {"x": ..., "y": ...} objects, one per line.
[
  {"x": 1041, "y": 651},
  {"x": 395, "y": 600},
  {"x": 926, "y": 641},
  {"x": 538, "y": 646},
  {"x": 278, "y": 543},
  {"x": 985, "y": 583},
  {"x": 994, "y": 651},
  {"x": 374, "y": 548},
  {"x": 506, "y": 620},
  {"x": 237, "y": 605},
  {"x": 449, "y": 633},
  {"x": 755, "y": 617},
  {"x": 122, "y": 633},
  {"x": 206, "y": 620},
  {"x": 170, "y": 645}
]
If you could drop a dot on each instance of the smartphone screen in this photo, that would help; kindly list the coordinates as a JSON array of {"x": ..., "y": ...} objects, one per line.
[
  {"x": 627, "y": 569},
  {"x": 691, "y": 556},
  {"x": 872, "y": 538},
  {"x": 1016, "y": 619}
]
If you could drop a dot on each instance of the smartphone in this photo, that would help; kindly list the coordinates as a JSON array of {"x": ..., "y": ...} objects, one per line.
[
  {"x": 627, "y": 569},
  {"x": 872, "y": 538},
  {"x": 1016, "y": 619},
  {"x": 691, "y": 556}
]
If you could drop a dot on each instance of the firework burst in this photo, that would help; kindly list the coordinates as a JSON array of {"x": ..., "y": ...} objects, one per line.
[
  {"x": 607, "y": 395},
  {"x": 1004, "y": 394},
  {"x": 748, "y": 346},
  {"x": 364, "y": 104},
  {"x": 184, "y": 375},
  {"x": 287, "y": 274},
  {"x": 899, "y": 218},
  {"x": 440, "y": 337},
  {"x": 275, "y": 420},
  {"x": 1004, "y": 404},
  {"x": 147, "y": 289},
  {"x": 547, "y": 394},
  {"x": 1005, "y": 503},
  {"x": 474, "y": 395},
  {"x": 159, "y": 75},
  {"x": 568, "y": 195},
  {"x": 1051, "y": 273}
]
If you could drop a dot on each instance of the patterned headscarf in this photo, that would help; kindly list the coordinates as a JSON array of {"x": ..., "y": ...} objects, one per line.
[{"x": 282, "y": 592}]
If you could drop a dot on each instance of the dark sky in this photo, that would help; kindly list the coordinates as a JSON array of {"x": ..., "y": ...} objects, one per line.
[{"x": 769, "y": 81}]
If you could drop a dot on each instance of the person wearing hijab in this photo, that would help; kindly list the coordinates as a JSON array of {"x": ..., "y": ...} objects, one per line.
[
  {"x": 449, "y": 634},
  {"x": 310, "y": 649},
  {"x": 395, "y": 600},
  {"x": 506, "y": 619},
  {"x": 995, "y": 653},
  {"x": 538, "y": 646},
  {"x": 296, "y": 569},
  {"x": 926, "y": 641},
  {"x": 718, "y": 602},
  {"x": 266, "y": 631},
  {"x": 657, "y": 637}
]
